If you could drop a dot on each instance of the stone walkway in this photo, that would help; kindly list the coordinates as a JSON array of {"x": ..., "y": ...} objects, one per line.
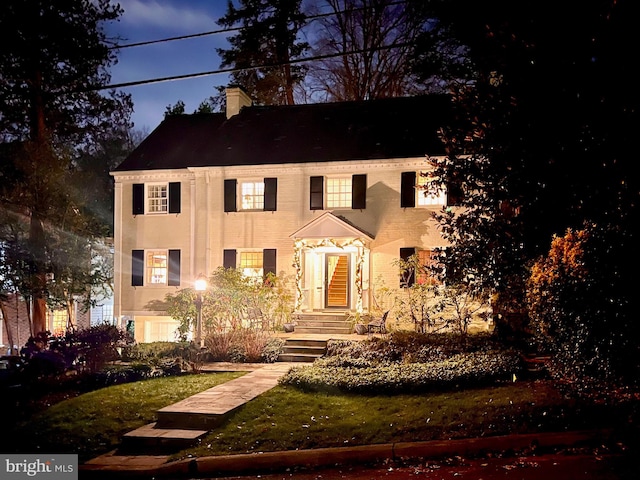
[{"x": 181, "y": 424}]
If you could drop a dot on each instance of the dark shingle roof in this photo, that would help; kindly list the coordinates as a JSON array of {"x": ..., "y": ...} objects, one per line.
[{"x": 265, "y": 135}]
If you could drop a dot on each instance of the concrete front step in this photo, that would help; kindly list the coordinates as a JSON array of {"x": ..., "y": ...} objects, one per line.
[
  {"x": 302, "y": 350},
  {"x": 297, "y": 357},
  {"x": 151, "y": 439},
  {"x": 321, "y": 316},
  {"x": 318, "y": 351},
  {"x": 343, "y": 330},
  {"x": 322, "y": 323}
]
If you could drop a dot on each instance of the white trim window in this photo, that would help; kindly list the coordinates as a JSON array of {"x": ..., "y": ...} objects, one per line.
[
  {"x": 252, "y": 264},
  {"x": 252, "y": 195},
  {"x": 424, "y": 199},
  {"x": 157, "y": 198},
  {"x": 339, "y": 192},
  {"x": 59, "y": 322},
  {"x": 157, "y": 267}
]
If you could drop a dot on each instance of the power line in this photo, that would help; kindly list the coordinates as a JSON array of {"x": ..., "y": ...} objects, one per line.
[
  {"x": 234, "y": 29},
  {"x": 171, "y": 39},
  {"x": 233, "y": 70}
]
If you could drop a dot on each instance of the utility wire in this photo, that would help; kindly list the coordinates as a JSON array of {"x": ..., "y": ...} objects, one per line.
[
  {"x": 235, "y": 29},
  {"x": 171, "y": 39},
  {"x": 232, "y": 70}
]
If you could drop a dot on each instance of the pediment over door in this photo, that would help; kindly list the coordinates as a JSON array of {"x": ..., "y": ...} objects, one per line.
[{"x": 329, "y": 225}]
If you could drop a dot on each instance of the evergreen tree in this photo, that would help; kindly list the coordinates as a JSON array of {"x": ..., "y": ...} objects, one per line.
[
  {"x": 53, "y": 63},
  {"x": 262, "y": 50}
]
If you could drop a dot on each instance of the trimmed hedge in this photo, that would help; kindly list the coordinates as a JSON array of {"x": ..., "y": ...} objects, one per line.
[{"x": 405, "y": 363}]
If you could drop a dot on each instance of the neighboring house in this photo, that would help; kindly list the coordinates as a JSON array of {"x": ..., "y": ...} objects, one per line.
[
  {"x": 310, "y": 191},
  {"x": 17, "y": 327},
  {"x": 16, "y": 324}
]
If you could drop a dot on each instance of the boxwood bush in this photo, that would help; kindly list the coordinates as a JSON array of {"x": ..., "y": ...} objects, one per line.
[{"x": 407, "y": 362}]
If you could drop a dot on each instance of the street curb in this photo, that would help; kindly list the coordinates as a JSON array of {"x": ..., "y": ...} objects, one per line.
[{"x": 269, "y": 462}]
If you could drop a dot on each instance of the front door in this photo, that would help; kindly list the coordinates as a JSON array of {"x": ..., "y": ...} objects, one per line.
[{"x": 337, "y": 280}]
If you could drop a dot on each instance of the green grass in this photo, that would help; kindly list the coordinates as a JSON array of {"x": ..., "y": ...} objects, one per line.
[
  {"x": 286, "y": 418},
  {"x": 93, "y": 423}
]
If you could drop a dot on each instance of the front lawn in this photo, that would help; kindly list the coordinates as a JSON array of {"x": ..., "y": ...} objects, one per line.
[
  {"x": 401, "y": 389},
  {"x": 93, "y": 423}
]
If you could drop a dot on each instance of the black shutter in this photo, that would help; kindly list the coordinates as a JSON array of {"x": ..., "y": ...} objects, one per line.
[
  {"x": 455, "y": 195},
  {"x": 138, "y": 198},
  {"x": 230, "y": 195},
  {"x": 229, "y": 259},
  {"x": 137, "y": 268},
  {"x": 359, "y": 192},
  {"x": 174, "y": 268},
  {"x": 174, "y": 197},
  {"x": 270, "y": 194},
  {"x": 405, "y": 253},
  {"x": 316, "y": 188},
  {"x": 269, "y": 261},
  {"x": 408, "y": 190}
]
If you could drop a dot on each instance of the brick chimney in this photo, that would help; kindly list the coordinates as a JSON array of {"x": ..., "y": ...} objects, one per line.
[{"x": 236, "y": 99}]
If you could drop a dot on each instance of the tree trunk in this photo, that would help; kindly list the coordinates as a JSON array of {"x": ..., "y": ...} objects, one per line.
[
  {"x": 39, "y": 312},
  {"x": 36, "y": 230},
  {"x": 10, "y": 339}
]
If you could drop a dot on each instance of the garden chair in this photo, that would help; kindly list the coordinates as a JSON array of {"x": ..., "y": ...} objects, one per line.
[{"x": 378, "y": 324}]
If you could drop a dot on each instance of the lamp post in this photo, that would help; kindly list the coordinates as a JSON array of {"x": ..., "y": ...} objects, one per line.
[{"x": 200, "y": 286}]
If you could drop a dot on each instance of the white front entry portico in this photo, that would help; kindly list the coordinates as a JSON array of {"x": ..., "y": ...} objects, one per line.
[{"x": 331, "y": 260}]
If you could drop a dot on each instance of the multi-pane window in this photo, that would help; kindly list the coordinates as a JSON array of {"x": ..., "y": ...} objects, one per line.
[
  {"x": 339, "y": 192},
  {"x": 59, "y": 320},
  {"x": 252, "y": 195},
  {"x": 427, "y": 259},
  {"x": 157, "y": 198},
  {"x": 420, "y": 265},
  {"x": 424, "y": 198},
  {"x": 157, "y": 268},
  {"x": 251, "y": 264}
]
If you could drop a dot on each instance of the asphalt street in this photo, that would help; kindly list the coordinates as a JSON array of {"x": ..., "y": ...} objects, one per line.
[{"x": 570, "y": 465}]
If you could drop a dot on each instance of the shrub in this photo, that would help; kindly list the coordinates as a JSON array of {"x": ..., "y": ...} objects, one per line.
[
  {"x": 272, "y": 350},
  {"x": 168, "y": 357},
  {"x": 219, "y": 345},
  {"x": 143, "y": 352},
  {"x": 580, "y": 302},
  {"x": 408, "y": 347},
  {"x": 84, "y": 350},
  {"x": 468, "y": 369},
  {"x": 234, "y": 301},
  {"x": 242, "y": 346},
  {"x": 408, "y": 361},
  {"x": 97, "y": 345}
]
